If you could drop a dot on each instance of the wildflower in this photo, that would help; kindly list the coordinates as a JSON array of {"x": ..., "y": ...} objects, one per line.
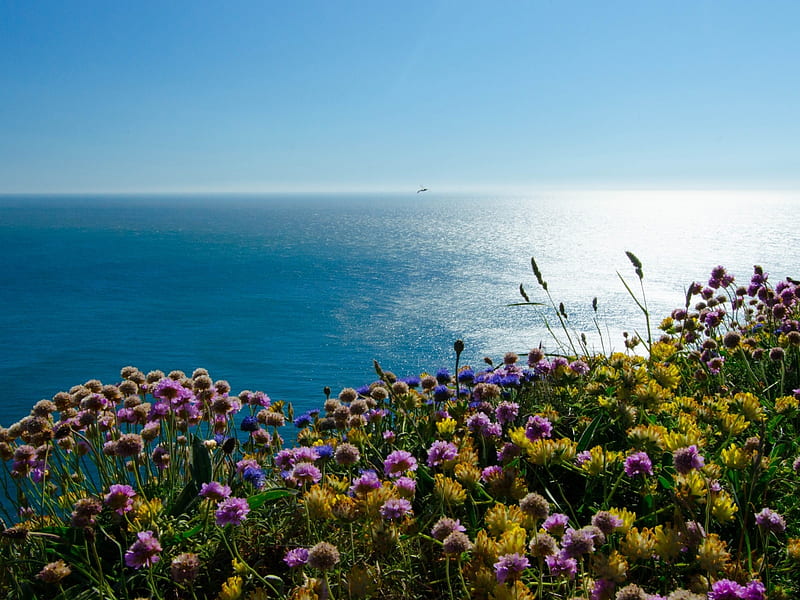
[
  {"x": 510, "y": 566},
  {"x": 120, "y": 498},
  {"x": 323, "y": 556},
  {"x": 346, "y": 454},
  {"x": 725, "y": 589},
  {"x": 769, "y": 520},
  {"x": 84, "y": 512},
  {"x": 754, "y": 590},
  {"x": 303, "y": 473},
  {"x": 406, "y": 487},
  {"x": 580, "y": 367},
  {"x": 686, "y": 459},
  {"x": 185, "y": 567},
  {"x": 535, "y": 505},
  {"x": 231, "y": 589},
  {"x": 368, "y": 480},
  {"x": 231, "y": 511},
  {"x": 722, "y": 506},
  {"x": 255, "y": 477},
  {"x": 214, "y": 491},
  {"x": 542, "y": 544},
  {"x": 448, "y": 490},
  {"x": 606, "y": 522},
  {"x": 445, "y": 526},
  {"x": 395, "y": 509},
  {"x": 129, "y": 444},
  {"x": 638, "y": 544},
  {"x": 713, "y": 554},
  {"x": 581, "y": 541},
  {"x": 456, "y": 543},
  {"x": 538, "y": 427},
  {"x": 296, "y": 557},
  {"x": 556, "y": 524},
  {"x": 638, "y": 463},
  {"x": 560, "y": 565},
  {"x": 144, "y": 551},
  {"x": 398, "y": 462},
  {"x": 54, "y": 572},
  {"x": 506, "y": 412},
  {"x": 631, "y": 592},
  {"x": 441, "y": 452},
  {"x": 249, "y": 423}
]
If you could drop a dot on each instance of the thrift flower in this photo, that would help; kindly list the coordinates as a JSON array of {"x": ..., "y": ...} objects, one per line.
[
  {"x": 687, "y": 459},
  {"x": 398, "y": 462},
  {"x": 538, "y": 427},
  {"x": 54, "y": 572},
  {"x": 296, "y": 557},
  {"x": 214, "y": 491},
  {"x": 395, "y": 509},
  {"x": 323, "y": 556},
  {"x": 725, "y": 589},
  {"x": 185, "y": 567},
  {"x": 120, "y": 498},
  {"x": 559, "y": 565},
  {"x": 441, "y": 452},
  {"x": 556, "y": 523},
  {"x": 368, "y": 480},
  {"x": 769, "y": 520},
  {"x": 445, "y": 526},
  {"x": 456, "y": 543},
  {"x": 144, "y": 551},
  {"x": 231, "y": 511},
  {"x": 510, "y": 566},
  {"x": 638, "y": 463}
]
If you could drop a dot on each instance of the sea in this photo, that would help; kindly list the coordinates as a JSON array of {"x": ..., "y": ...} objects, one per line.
[{"x": 290, "y": 293}]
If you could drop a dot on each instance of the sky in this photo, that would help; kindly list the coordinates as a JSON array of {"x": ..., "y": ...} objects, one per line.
[{"x": 200, "y": 96}]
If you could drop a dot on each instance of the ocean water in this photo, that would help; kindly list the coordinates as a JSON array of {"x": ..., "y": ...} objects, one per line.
[{"x": 288, "y": 294}]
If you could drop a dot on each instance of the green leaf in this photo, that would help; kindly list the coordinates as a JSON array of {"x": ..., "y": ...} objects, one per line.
[
  {"x": 665, "y": 483},
  {"x": 588, "y": 434},
  {"x": 201, "y": 462},
  {"x": 187, "y": 534},
  {"x": 269, "y": 496}
]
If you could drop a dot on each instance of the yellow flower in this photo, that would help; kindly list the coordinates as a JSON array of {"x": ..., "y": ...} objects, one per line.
[
  {"x": 793, "y": 549},
  {"x": 467, "y": 474},
  {"x": 512, "y": 540},
  {"x": 239, "y": 567},
  {"x": 652, "y": 394},
  {"x": 733, "y": 424},
  {"x": 687, "y": 434},
  {"x": 722, "y": 507},
  {"x": 500, "y": 518},
  {"x": 668, "y": 376},
  {"x": 638, "y": 545},
  {"x": 662, "y": 351},
  {"x": 750, "y": 406},
  {"x": 318, "y": 501},
  {"x": 517, "y": 436},
  {"x": 691, "y": 487},
  {"x": 357, "y": 436},
  {"x": 712, "y": 554},
  {"x": 599, "y": 460},
  {"x": 372, "y": 501},
  {"x": 647, "y": 437},
  {"x": 668, "y": 544},
  {"x": 516, "y": 591},
  {"x": 361, "y": 582},
  {"x": 258, "y": 594},
  {"x": 146, "y": 512},
  {"x": 613, "y": 567},
  {"x": 446, "y": 427},
  {"x": 735, "y": 457},
  {"x": 484, "y": 549},
  {"x": 541, "y": 452},
  {"x": 785, "y": 404},
  {"x": 627, "y": 516},
  {"x": 448, "y": 490},
  {"x": 231, "y": 589}
]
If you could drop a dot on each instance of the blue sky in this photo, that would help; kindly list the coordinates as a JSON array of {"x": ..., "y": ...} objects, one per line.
[{"x": 271, "y": 96}]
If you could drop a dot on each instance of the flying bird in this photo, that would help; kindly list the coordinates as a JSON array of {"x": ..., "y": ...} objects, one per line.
[{"x": 422, "y": 189}]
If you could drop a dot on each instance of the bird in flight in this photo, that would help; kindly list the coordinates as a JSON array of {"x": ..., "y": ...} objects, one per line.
[{"x": 422, "y": 188}]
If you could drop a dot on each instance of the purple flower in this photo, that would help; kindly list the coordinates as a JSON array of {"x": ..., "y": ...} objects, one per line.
[
  {"x": 638, "y": 463},
  {"x": 687, "y": 459},
  {"x": 559, "y": 565},
  {"x": 579, "y": 367},
  {"x": 303, "y": 473},
  {"x": 440, "y": 452},
  {"x": 249, "y": 423},
  {"x": 296, "y": 557},
  {"x": 445, "y": 526},
  {"x": 368, "y": 480},
  {"x": 579, "y": 541},
  {"x": 231, "y": 511},
  {"x": 255, "y": 477},
  {"x": 406, "y": 486},
  {"x": 120, "y": 498},
  {"x": 171, "y": 390},
  {"x": 725, "y": 589},
  {"x": 556, "y": 523},
  {"x": 144, "y": 551},
  {"x": 538, "y": 427},
  {"x": 395, "y": 509},
  {"x": 754, "y": 590},
  {"x": 214, "y": 491},
  {"x": 398, "y": 462},
  {"x": 510, "y": 566},
  {"x": 769, "y": 520},
  {"x": 506, "y": 412}
]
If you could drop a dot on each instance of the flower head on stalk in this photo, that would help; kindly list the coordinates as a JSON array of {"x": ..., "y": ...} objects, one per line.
[{"x": 144, "y": 551}]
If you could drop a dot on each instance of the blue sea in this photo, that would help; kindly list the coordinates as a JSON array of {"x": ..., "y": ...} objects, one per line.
[{"x": 291, "y": 293}]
